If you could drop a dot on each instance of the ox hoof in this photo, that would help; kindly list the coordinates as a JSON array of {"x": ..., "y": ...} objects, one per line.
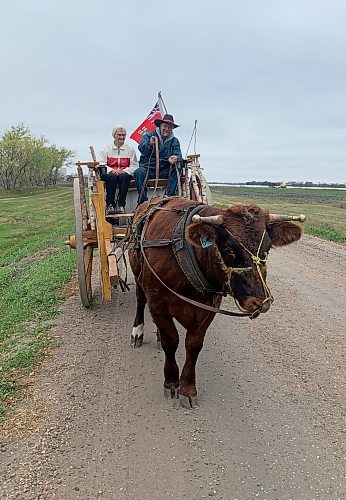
[
  {"x": 171, "y": 393},
  {"x": 189, "y": 403},
  {"x": 137, "y": 341}
]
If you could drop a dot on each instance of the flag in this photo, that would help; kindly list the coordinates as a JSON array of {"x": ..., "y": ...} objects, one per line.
[{"x": 148, "y": 125}]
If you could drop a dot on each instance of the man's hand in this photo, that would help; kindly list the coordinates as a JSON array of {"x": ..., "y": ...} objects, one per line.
[
  {"x": 173, "y": 159},
  {"x": 111, "y": 172},
  {"x": 153, "y": 140}
]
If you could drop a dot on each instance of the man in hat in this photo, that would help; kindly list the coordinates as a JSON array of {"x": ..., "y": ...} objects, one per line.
[
  {"x": 121, "y": 162},
  {"x": 169, "y": 155}
]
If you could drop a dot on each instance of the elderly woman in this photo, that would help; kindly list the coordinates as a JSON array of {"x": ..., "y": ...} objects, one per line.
[{"x": 121, "y": 162}]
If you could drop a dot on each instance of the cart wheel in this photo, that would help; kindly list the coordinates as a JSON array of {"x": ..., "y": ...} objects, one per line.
[{"x": 84, "y": 251}]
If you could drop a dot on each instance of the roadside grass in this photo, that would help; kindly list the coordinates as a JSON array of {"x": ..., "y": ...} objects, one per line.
[
  {"x": 34, "y": 267},
  {"x": 324, "y": 208}
]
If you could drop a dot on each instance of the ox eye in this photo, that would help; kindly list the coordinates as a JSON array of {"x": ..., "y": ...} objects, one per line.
[
  {"x": 264, "y": 258},
  {"x": 230, "y": 252}
]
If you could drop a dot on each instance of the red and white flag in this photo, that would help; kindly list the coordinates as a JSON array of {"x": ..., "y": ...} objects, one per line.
[{"x": 148, "y": 125}]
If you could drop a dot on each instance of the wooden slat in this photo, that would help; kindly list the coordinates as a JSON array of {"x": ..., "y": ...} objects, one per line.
[
  {"x": 104, "y": 232},
  {"x": 119, "y": 231},
  {"x": 119, "y": 216},
  {"x": 151, "y": 183},
  {"x": 89, "y": 234},
  {"x": 87, "y": 163},
  {"x": 112, "y": 264}
]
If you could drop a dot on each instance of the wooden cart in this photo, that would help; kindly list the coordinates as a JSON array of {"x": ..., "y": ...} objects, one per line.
[{"x": 95, "y": 230}]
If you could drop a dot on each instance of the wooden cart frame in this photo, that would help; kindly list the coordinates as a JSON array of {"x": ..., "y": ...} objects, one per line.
[{"x": 93, "y": 230}]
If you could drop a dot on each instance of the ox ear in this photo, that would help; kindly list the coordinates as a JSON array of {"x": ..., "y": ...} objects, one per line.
[
  {"x": 200, "y": 235},
  {"x": 284, "y": 233}
]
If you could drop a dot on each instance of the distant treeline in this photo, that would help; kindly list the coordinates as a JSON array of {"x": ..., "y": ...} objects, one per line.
[
  {"x": 290, "y": 183},
  {"x": 26, "y": 160}
]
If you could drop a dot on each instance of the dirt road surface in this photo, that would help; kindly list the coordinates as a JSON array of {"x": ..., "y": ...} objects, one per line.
[{"x": 271, "y": 423}]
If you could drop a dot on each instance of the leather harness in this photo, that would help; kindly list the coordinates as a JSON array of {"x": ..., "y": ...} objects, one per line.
[
  {"x": 185, "y": 255},
  {"x": 184, "y": 252}
]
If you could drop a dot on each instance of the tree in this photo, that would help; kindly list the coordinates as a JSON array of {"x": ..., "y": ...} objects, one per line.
[
  {"x": 61, "y": 157},
  {"x": 29, "y": 161},
  {"x": 16, "y": 149}
]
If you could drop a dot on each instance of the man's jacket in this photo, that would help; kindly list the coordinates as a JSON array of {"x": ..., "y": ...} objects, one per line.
[{"x": 170, "y": 147}]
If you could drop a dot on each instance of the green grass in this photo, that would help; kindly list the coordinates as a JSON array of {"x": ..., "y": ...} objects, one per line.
[
  {"x": 325, "y": 209},
  {"x": 34, "y": 267},
  {"x": 35, "y": 264}
]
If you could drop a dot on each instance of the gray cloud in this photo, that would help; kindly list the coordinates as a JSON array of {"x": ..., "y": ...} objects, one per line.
[{"x": 264, "y": 79}]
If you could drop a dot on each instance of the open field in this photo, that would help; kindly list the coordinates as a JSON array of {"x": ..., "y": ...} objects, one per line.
[
  {"x": 34, "y": 267},
  {"x": 325, "y": 209}
]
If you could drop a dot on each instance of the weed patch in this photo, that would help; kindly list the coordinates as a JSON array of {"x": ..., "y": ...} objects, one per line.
[{"x": 326, "y": 233}]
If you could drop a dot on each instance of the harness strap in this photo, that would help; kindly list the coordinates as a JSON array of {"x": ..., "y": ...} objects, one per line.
[
  {"x": 183, "y": 251},
  {"x": 157, "y": 243},
  {"x": 182, "y": 297},
  {"x": 153, "y": 204},
  {"x": 185, "y": 254}
]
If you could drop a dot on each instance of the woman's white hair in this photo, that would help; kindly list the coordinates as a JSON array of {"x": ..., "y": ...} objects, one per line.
[{"x": 117, "y": 127}]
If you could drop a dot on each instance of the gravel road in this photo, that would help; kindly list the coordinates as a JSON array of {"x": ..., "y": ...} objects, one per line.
[{"x": 94, "y": 422}]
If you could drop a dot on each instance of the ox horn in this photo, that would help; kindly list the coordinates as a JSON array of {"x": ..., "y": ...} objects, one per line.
[
  {"x": 212, "y": 219},
  {"x": 281, "y": 218}
]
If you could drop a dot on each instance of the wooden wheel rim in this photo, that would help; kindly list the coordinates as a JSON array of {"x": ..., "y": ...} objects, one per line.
[{"x": 84, "y": 252}]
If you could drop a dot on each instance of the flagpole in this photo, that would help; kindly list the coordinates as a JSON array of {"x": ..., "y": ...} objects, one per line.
[{"x": 163, "y": 104}]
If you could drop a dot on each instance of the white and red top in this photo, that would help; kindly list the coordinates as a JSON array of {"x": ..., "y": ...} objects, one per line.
[{"x": 119, "y": 159}]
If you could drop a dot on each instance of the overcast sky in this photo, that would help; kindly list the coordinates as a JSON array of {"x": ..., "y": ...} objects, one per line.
[{"x": 264, "y": 78}]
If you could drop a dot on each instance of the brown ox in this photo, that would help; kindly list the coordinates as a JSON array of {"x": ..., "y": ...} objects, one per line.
[{"x": 231, "y": 253}]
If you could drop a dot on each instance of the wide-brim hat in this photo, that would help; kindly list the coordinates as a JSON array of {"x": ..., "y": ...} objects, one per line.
[{"x": 166, "y": 119}]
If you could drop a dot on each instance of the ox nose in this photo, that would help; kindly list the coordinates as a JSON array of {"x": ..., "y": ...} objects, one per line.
[
  {"x": 265, "y": 305},
  {"x": 253, "y": 304}
]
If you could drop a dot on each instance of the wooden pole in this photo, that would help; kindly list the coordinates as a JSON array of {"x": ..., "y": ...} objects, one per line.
[
  {"x": 195, "y": 183},
  {"x": 202, "y": 182},
  {"x": 162, "y": 101},
  {"x": 187, "y": 183},
  {"x": 93, "y": 176},
  {"x": 84, "y": 207},
  {"x": 93, "y": 156},
  {"x": 157, "y": 174}
]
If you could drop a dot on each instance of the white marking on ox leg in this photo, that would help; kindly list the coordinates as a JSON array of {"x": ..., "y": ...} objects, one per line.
[
  {"x": 138, "y": 330},
  {"x": 137, "y": 335}
]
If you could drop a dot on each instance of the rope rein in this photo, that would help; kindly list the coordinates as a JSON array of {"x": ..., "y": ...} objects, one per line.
[
  {"x": 257, "y": 261},
  {"x": 193, "y": 135}
]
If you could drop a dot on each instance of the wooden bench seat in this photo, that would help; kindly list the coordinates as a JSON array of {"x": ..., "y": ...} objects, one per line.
[{"x": 150, "y": 183}]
